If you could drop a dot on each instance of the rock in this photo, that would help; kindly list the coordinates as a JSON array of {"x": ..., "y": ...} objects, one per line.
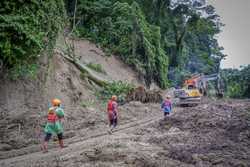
[
  {"x": 69, "y": 134},
  {"x": 135, "y": 103},
  {"x": 174, "y": 130},
  {"x": 91, "y": 122},
  {"x": 5, "y": 147},
  {"x": 91, "y": 109},
  {"x": 147, "y": 109}
]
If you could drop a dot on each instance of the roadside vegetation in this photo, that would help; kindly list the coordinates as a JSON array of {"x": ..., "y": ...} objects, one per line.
[{"x": 164, "y": 41}]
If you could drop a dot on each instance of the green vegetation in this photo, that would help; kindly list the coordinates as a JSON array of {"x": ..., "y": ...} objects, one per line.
[
  {"x": 96, "y": 67},
  {"x": 160, "y": 39},
  {"x": 237, "y": 82},
  {"x": 120, "y": 89},
  {"x": 23, "y": 71},
  {"x": 163, "y": 40},
  {"x": 87, "y": 103},
  {"x": 27, "y": 28}
]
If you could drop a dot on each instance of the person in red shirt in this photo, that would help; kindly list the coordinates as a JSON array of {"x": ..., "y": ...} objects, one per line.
[{"x": 112, "y": 112}]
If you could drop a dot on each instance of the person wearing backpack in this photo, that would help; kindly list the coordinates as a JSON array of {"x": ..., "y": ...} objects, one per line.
[
  {"x": 54, "y": 124},
  {"x": 112, "y": 112},
  {"x": 166, "y": 106}
]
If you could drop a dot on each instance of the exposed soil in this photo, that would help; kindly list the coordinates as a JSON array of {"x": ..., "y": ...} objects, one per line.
[
  {"x": 115, "y": 69},
  {"x": 208, "y": 135},
  {"x": 215, "y": 133}
]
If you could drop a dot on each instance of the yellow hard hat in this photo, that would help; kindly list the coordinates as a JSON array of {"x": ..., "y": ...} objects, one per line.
[
  {"x": 56, "y": 102},
  {"x": 51, "y": 109}
]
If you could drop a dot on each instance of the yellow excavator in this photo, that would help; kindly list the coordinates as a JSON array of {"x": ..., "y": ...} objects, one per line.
[{"x": 195, "y": 88}]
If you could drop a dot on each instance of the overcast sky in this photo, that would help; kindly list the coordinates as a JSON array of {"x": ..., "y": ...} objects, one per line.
[{"x": 235, "y": 37}]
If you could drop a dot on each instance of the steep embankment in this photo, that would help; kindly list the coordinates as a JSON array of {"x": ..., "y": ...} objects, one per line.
[
  {"x": 115, "y": 69},
  {"x": 24, "y": 103}
]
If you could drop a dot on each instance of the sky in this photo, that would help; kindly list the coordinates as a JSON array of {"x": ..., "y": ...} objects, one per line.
[{"x": 235, "y": 37}]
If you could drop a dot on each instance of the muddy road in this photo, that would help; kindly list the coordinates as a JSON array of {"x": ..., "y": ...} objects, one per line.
[{"x": 216, "y": 133}]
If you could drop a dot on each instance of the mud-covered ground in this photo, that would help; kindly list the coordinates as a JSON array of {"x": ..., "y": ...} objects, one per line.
[{"x": 215, "y": 133}]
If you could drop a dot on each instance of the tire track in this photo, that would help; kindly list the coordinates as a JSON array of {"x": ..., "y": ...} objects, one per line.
[{"x": 79, "y": 144}]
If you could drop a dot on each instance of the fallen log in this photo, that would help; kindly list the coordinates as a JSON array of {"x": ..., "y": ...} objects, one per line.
[{"x": 85, "y": 70}]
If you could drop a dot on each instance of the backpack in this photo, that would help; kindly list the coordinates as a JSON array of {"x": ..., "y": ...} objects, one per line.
[{"x": 110, "y": 105}]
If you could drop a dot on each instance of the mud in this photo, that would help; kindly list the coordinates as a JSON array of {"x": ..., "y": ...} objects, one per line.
[
  {"x": 208, "y": 135},
  {"x": 215, "y": 133}
]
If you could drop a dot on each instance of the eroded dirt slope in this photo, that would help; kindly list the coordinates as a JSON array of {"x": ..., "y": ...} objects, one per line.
[{"x": 24, "y": 103}]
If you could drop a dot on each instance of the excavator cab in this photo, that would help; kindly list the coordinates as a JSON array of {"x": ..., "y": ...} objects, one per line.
[
  {"x": 190, "y": 87},
  {"x": 189, "y": 95},
  {"x": 195, "y": 88}
]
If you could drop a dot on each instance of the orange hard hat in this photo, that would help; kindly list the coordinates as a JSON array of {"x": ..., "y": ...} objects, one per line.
[
  {"x": 56, "y": 102},
  {"x": 114, "y": 97}
]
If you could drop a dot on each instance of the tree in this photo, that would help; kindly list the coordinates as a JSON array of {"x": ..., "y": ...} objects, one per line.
[
  {"x": 156, "y": 37},
  {"x": 237, "y": 82},
  {"x": 27, "y": 28}
]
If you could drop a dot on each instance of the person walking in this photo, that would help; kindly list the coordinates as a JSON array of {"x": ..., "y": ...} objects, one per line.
[
  {"x": 112, "y": 110},
  {"x": 166, "y": 106},
  {"x": 54, "y": 124}
]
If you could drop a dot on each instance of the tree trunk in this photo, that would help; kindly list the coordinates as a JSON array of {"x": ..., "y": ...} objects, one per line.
[
  {"x": 84, "y": 69},
  {"x": 74, "y": 19}
]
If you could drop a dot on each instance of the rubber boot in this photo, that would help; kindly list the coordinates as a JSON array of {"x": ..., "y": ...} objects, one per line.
[
  {"x": 61, "y": 144},
  {"x": 44, "y": 147}
]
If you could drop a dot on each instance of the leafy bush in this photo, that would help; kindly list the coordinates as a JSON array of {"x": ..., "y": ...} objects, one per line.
[
  {"x": 87, "y": 103},
  {"x": 27, "y": 28},
  {"x": 96, "y": 67},
  {"x": 23, "y": 71},
  {"x": 120, "y": 89}
]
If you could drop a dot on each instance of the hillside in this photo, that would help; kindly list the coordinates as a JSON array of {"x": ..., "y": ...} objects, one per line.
[
  {"x": 215, "y": 133},
  {"x": 24, "y": 103},
  {"x": 83, "y": 52}
]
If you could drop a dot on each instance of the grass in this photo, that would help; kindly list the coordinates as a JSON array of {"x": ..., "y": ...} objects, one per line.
[
  {"x": 96, "y": 67},
  {"x": 87, "y": 103}
]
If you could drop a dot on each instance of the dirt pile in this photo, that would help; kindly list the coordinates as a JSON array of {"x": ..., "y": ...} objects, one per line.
[
  {"x": 144, "y": 96},
  {"x": 212, "y": 134}
]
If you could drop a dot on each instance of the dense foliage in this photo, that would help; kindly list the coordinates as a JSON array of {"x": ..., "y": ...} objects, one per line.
[
  {"x": 164, "y": 40},
  {"x": 161, "y": 39},
  {"x": 121, "y": 89},
  {"x": 237, "y": 82},
  {"x": 27, "y": 28}
]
